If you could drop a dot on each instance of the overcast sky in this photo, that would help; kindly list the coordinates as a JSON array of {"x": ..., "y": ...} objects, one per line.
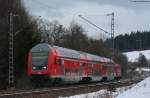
[{"x": 129, "y": 16}]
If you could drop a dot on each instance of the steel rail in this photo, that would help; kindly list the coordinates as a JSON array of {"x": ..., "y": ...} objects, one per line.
[{"x": 51, "y": 91}]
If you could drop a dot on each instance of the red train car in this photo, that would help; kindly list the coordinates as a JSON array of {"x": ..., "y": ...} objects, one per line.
[{"x": 53, "y": 64}]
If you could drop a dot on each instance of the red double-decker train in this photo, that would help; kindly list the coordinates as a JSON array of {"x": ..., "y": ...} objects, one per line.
[{"x": 53, "y": 64}]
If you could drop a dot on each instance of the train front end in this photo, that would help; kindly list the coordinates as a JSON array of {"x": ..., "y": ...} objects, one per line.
[{"x": 38, "y": 62}]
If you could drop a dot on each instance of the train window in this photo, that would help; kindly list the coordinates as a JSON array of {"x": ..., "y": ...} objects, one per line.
[{"x": 69, "y": 53}]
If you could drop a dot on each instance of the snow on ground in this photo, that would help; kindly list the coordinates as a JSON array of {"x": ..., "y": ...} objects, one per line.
[
  {"x": 101, "y": 94},
  {"x": 144, "y": 69},
  {"x": 140, "y": 90},
  {"x": 133, "y": 55}
]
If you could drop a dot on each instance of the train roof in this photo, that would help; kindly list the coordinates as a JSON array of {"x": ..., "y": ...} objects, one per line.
[
  {"x": 64, "y": 52},
  {"x": 41, "y": 47},
  {"x": 69, "y": 53},
  {"x": 99, "y": 58}
]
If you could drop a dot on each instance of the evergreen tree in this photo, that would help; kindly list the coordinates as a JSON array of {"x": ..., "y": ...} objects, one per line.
[
  {"x": 134, "y": 41},
  {"x": 142, "y": 61}
]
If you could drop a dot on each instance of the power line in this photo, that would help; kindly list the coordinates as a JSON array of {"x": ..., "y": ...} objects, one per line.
[
  {"x": 94, "y": 14},
  {"x": 112, "y": 29},
  {"x": 93, "y": 24}
]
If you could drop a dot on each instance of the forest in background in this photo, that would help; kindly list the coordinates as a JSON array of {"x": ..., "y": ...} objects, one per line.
[{"x": 138, "y": 40}]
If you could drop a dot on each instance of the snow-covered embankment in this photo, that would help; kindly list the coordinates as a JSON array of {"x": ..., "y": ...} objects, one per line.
[{"x": 140, "y": 90}]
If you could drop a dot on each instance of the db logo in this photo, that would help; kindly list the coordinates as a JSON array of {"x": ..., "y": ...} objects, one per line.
[{"x": 38, "y": 72}]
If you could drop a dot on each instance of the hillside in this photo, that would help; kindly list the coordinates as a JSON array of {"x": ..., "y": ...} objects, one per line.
[
  {"x": 140, "y": 90},
  {"x": 133, "y": 55}
]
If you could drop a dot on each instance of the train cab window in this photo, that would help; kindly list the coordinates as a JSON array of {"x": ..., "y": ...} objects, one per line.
[{"x": 39, "y": 60}]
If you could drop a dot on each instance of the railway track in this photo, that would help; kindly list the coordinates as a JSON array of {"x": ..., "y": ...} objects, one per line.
[{"x": 55, "y": 92}]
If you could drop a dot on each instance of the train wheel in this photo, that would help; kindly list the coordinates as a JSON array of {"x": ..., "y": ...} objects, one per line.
[
  {"x": 117, "y": 78},
  {"x": 104, "y": 79},
  {"x": 86, "y": 79}
]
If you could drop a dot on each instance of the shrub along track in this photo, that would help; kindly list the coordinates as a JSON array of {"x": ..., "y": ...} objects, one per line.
[{"x": 55, "y": 92}]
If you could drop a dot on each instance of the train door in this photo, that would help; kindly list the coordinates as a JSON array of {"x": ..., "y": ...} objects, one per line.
[
  {"x": 110, "y": 71},
  {"x": 71, "y": 70},
  {"x": 90, "y": 68},
  {"x": 104, "y": 72},
  {"x": 117, "y": 71},
  {"x": 63, "y": 69},
  {"x": 67, "y": 70},
  {"x": 76, "y": 70},
  {"x": 86, "y": 72},
  {"x": 58, "y": 67},
  {"x": 96, "y": 72},
  {"x": 81, "y": 71}
]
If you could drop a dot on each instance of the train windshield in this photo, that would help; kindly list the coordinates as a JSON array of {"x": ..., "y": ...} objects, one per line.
[{"x": 39, "y": 58}]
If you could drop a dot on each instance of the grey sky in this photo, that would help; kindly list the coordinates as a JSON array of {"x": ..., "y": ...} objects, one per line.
[{"x": 129, "y": 16}]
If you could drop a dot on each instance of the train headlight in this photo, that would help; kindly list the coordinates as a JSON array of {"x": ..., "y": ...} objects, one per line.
[
  {"x": 34, "y": 68},
  {"x": 44, "y": 67}
]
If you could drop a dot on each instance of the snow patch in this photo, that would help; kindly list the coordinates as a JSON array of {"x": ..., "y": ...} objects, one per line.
[
  {"x": 141, "y": 90},
  {"x": 134, "y": 55},
  {"x": 143, "y": 69},
  {"x": 101, "y": 94}
]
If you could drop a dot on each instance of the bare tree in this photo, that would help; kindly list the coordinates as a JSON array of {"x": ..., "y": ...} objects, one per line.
[{"x": 51, "y": 31}]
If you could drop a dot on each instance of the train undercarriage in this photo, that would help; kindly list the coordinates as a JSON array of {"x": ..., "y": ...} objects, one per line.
[{"x": 47, "y": 81}]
